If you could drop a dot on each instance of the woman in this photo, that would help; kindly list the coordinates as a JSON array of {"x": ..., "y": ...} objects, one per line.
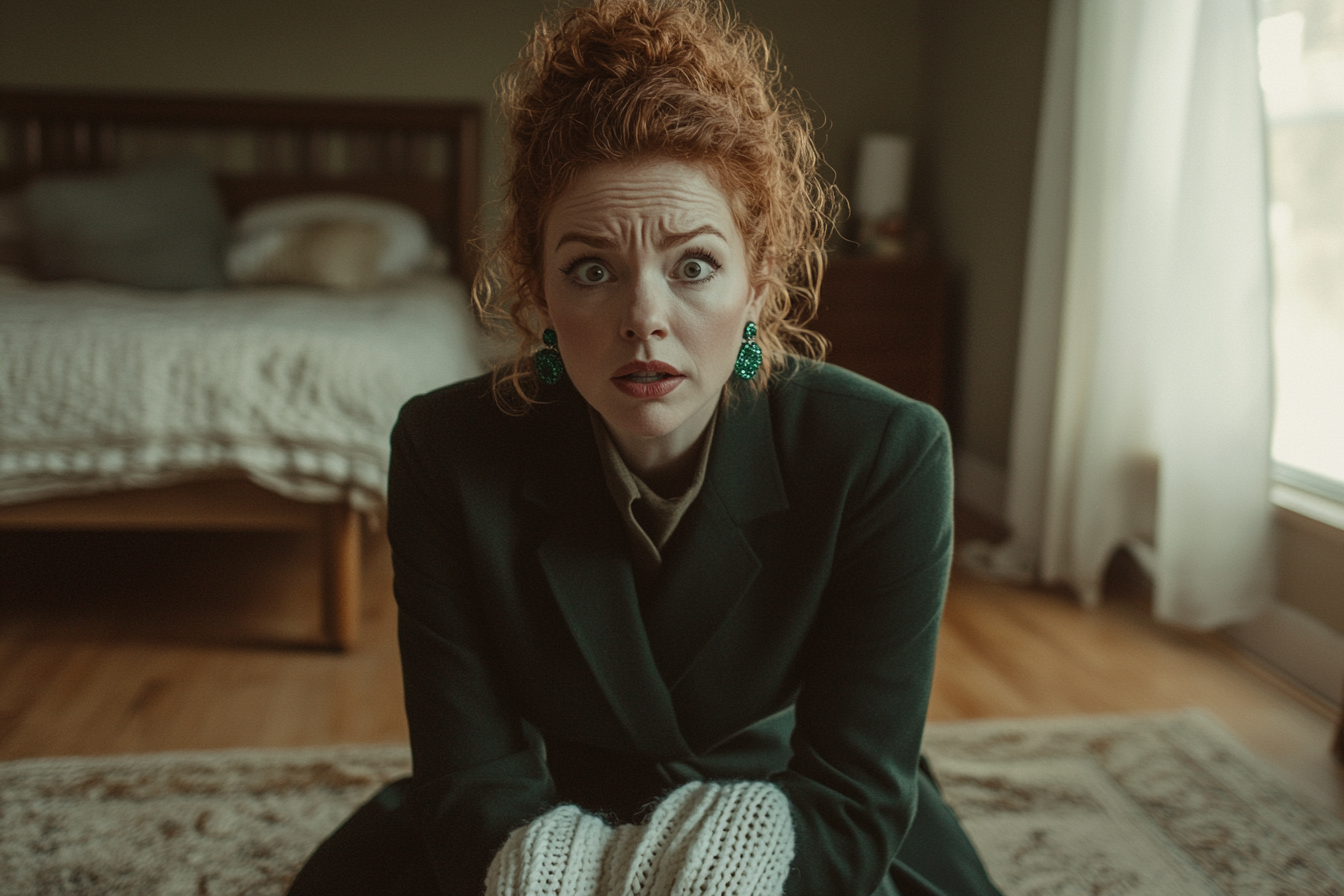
[{"x": 660, "y": 571}]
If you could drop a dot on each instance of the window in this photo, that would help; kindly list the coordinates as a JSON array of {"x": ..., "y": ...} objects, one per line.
[{"x": 1302, "y": 75}]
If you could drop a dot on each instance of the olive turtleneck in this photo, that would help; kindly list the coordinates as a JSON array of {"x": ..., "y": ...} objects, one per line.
[{"x": 650, "y": 519}]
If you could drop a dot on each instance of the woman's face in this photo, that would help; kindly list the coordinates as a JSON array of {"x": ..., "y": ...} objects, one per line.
[{"x": 646, "y": 284}]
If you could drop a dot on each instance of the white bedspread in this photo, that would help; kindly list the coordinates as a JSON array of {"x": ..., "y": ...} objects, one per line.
[{"x": 105, "y": 388}]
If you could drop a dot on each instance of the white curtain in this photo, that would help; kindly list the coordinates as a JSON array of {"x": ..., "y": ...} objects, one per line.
[{"x": 1143, "y": 402}]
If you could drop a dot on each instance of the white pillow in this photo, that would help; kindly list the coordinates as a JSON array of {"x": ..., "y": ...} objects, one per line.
[
  {"x": 266, "y": 227},
  {"x": 332, "y": 254},
  {"x": 156, "y": 225}
]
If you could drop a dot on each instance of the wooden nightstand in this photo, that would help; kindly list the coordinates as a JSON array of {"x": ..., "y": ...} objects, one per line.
[{"x": 890, "y": 320}]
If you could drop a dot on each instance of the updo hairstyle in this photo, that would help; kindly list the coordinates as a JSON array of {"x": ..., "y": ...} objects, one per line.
[{"x": 627, "y": 79}]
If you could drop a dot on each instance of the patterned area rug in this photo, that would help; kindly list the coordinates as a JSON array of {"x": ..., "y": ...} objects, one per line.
[
  {"x": 1140, "y": 806},
  {"x": 1156, "y": 805}
]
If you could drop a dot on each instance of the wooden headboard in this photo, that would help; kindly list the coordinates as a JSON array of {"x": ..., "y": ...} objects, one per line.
[{"x": 423, "y": 154}]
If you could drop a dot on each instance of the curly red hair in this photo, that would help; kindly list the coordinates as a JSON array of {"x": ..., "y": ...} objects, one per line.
[{"x": 626, "y": 79}]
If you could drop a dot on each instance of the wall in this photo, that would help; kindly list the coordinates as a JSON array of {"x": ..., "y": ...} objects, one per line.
[
  {"x": 1311, "y": 569},
  {"x": 857, "y": 61},
  {"x": 985, "y": 64},
  {"x": 1302, "y": 633}
]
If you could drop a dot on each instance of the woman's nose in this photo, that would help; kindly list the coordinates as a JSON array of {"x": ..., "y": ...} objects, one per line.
[{"x": 646, "y": 310}]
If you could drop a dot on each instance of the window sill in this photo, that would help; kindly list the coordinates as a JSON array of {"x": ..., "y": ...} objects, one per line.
[{"x": 1307, "y": 512}]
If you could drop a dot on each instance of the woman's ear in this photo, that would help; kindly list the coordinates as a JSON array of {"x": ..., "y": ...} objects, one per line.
[
  {"x": 757, "y": 301},
  {"x": 760, "y": 288}
]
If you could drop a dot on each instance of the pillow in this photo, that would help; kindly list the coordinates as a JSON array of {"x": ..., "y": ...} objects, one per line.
[
  {"x": 158, "y": 225},
  {"x": 274, "y": 227},
  {"x": 338, "y": 254}
]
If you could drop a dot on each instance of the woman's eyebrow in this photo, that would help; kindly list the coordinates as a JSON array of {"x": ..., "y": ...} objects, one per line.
[
  {"x": 666, "y": 241},
  {"x": 676, "y": 239},
  {"x": 587, "y": 239}
]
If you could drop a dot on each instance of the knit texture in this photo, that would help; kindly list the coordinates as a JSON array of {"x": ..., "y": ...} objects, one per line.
[
  {"x": 559, "y": 854},
  {"x": 703, "y": 839}
]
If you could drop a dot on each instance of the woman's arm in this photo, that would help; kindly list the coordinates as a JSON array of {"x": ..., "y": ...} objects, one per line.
[
  {"x": 868, "y": 664},
  {"x": 476, "y": 777}
]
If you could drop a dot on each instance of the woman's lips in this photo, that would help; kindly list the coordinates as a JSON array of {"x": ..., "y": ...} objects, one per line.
[{"x": 647, "y": 379}]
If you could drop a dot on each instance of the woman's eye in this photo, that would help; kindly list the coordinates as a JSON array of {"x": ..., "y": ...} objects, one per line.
[
  {"x": 694, "y": 269},
  {"x": 591, "y": 272}
]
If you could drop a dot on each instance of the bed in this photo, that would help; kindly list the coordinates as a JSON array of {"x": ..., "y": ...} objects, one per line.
[{"x": 213, "y": 405}]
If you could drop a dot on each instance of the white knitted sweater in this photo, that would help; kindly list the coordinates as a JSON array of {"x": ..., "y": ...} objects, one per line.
[{"x": 704, "y": 839}]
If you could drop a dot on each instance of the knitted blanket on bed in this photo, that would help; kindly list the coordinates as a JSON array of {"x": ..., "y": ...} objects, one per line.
[
  {"x": 729, "y": 839},
  {"x": 107, "y": 387}
]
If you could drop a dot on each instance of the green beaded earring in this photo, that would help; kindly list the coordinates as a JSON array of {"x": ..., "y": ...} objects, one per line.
[
  {"x": 550, "y": 367},
  {"x": 749, "y": 355}
]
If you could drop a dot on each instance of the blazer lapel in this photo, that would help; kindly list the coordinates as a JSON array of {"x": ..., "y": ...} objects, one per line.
[
  {"x": 587, "y": 566},
  {"x": 710, "y": 563}
]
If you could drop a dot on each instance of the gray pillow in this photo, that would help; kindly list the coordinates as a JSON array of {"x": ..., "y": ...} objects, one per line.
[{"x": 159, "y": 225}]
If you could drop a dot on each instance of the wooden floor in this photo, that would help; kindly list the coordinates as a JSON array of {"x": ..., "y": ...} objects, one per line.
[{"x": 114, "y": 643}]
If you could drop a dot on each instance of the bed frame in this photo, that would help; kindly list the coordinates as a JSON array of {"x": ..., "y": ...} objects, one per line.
[{"x": 423, "y": 154}]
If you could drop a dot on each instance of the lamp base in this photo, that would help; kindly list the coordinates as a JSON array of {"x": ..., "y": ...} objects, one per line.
[{"x": 885, "y": 237}]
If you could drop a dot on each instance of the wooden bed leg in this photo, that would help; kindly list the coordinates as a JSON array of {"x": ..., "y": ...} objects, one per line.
[{"x": 341, "y": 560}]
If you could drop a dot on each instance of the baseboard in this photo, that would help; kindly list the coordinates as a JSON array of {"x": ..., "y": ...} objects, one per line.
[
  {"x": 981, "y": 485},
  {"x": 1299, "y": 646}
]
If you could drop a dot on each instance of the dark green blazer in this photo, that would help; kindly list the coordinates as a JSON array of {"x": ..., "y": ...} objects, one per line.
[{"x": 789, "y": 635}]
